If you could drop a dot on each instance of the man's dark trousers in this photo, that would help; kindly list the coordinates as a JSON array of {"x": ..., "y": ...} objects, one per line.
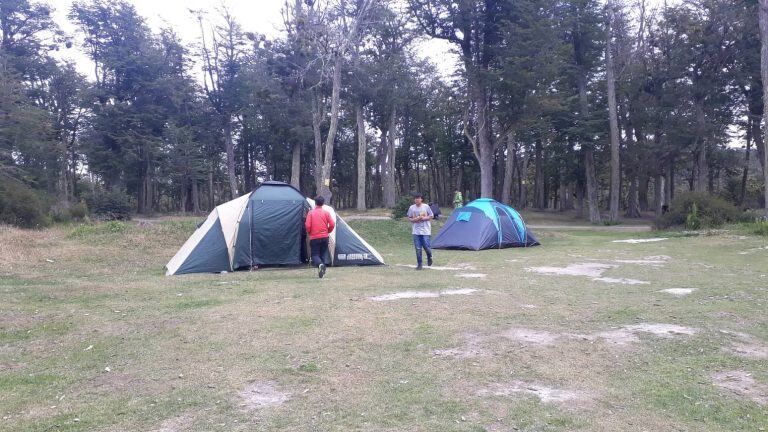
[{"x": 319, "y": 248}]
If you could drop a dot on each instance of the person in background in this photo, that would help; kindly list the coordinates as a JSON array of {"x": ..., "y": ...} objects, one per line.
[
  {"x": 435, "y": 207},
  {"x": 458, "y": 199},
  {"x": 420, "y": 215},
  {"x": 319, "y": 225}
]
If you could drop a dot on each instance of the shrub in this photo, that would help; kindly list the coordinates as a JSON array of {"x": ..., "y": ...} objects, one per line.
[
  {"x": 401, "y": 207},
  {"x": 79, "y": 211},
  {"x": 21, "y": 205},
  {"x": 111, "y": 205},
  {"x": 711, "y": 211},
  {"x": 692, "y": 221},
  {"x": 759, "y": 227},
  {"x": 114, "y": 226}
]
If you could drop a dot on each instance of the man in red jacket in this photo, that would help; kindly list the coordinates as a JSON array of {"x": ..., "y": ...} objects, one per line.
[{"x": 319, "y": 226}]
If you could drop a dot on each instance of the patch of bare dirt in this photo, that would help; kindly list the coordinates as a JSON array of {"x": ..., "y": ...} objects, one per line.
[
  {"x": 177, "y": 424},
  {"x": 563, "y": 397},
  {"x": 456, "y": 267},
  {"x": 645, "y": 240},
  {"x": 678, "y": 292},
  {"x": 533, "y": 337},
  {"x": 741, "y": 384},
  {"x": 472, "y": 275},
  {"x": 423, "y": 294},
  {"x": 624, "y": 335},
  {"x": 592, "y": 270},
  {"x": 747, "y": 346},
  {"x": 462, "y": 353},
  {"x": 257, "y": 395}
]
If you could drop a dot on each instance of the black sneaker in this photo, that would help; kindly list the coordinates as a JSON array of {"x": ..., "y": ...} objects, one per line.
[
  {"x": 419, "y": 267},
  {"x": 321, "y": 271},
  {"x": 429, "y": 261}
]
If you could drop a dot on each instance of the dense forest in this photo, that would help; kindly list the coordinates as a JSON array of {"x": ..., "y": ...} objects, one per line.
[{"x": 610, "y": 108}]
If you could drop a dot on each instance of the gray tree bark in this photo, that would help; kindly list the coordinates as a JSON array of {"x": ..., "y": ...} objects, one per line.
[
  {"x": 763, "y": 17},
  {"x": 613, "y": 213},
  {"x": 509, "y": 169},
  {"x": 296, "y": 165},
  {"x": 538, "y": 178},
  {"x": 388, "y": 164},
  {"x": 362, "y": 150},
  {"x": 230, "y": 147}
]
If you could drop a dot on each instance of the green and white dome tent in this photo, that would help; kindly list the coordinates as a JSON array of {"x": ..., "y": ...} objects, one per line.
[{"x": 265, "y": 228}]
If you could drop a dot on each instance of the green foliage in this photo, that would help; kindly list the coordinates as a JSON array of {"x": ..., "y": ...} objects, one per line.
[
  {"x": 692, "y": 221},
  {"x": 20, "y": 205},
  {"x": 111, "y": 205},
  {"x": 401, "y": 207},
  {"x": 758, "y": 227},
  {"x": 699, "y": 210},
  {"x": 115, "y": 226},
  {"x": 79, "y": 211}
]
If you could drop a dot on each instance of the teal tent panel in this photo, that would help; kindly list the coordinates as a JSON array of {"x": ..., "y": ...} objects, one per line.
[
  {"x": 210, "y": 255},
  {"x": 487, "y": 207},
  {"x": 463, "y": 217}
]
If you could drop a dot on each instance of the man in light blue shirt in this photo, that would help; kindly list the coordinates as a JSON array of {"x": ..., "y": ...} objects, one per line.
[{"x": 420, "y": 216}]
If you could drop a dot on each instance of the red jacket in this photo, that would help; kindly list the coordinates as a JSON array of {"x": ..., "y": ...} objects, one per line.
[{"x": 319, "y": 224}]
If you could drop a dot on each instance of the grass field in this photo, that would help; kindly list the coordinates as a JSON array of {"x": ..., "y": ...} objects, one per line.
[{"x": 577, "y": 334}]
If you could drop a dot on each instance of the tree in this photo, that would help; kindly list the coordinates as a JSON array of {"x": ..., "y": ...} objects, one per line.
[
  {"x": 763, "y": 13},
  {"x": 613, "y": 118},
  {"x": 473, "y": 26}
]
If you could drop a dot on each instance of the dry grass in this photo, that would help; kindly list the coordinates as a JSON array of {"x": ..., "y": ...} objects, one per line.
[{"x": 94, "y": 337}]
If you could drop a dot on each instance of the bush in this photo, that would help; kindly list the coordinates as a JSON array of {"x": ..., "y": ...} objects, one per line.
[
  {"x": 401, "y": 207},
  {"x": 79, "y": 211},
  {"x": 759, "y": 227},
  {"x": 111, "y": 205},
  {"x": 21, "y": 205},
  {"x": 710, "y": 212},
  {"x": 692, "y": 221}
]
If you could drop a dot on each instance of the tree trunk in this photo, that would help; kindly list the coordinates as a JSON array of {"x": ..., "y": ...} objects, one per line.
[
  {"x": 591, "y": 183},
  {"x": 195, "y": 197},
  {"x": 211, "y": 197},
  {"x": 325, "y": 173},
  {"x": 362, "y": 150},
  {"x": 509, "y": 169},
  {"x": 230, "y": 146},
  {"x": 702, "y": 170},
  {"x": 388, "y": 163},
  {"x": 633, "y": 200},
  {"x": 317, "y": 118},
  {"x": 589, "y": 157},
  {"x": 296, "y": 165},
  {"x": 484, "y": 146},
  {"x": 669, "y": 183},
  {"x": 613, "y": 208},
  {"x": 538, "y": 179},
  {"x": 745, "y": 171},
  {"x": 763, "y": 6},
  {"x": 658, "y": 193}
]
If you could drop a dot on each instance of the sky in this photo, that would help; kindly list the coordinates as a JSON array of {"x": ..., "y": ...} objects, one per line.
[{"x": 260, "y": 16}]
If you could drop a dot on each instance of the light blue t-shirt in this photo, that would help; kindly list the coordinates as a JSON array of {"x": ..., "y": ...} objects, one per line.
[{"x": 423, "y": 227}]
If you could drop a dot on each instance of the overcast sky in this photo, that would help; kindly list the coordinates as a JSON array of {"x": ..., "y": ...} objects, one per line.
[{"x": 260, "y": 16}]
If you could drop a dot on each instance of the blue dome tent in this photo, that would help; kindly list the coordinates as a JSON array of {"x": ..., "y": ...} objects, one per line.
[{"x": 484, "y": 224}]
